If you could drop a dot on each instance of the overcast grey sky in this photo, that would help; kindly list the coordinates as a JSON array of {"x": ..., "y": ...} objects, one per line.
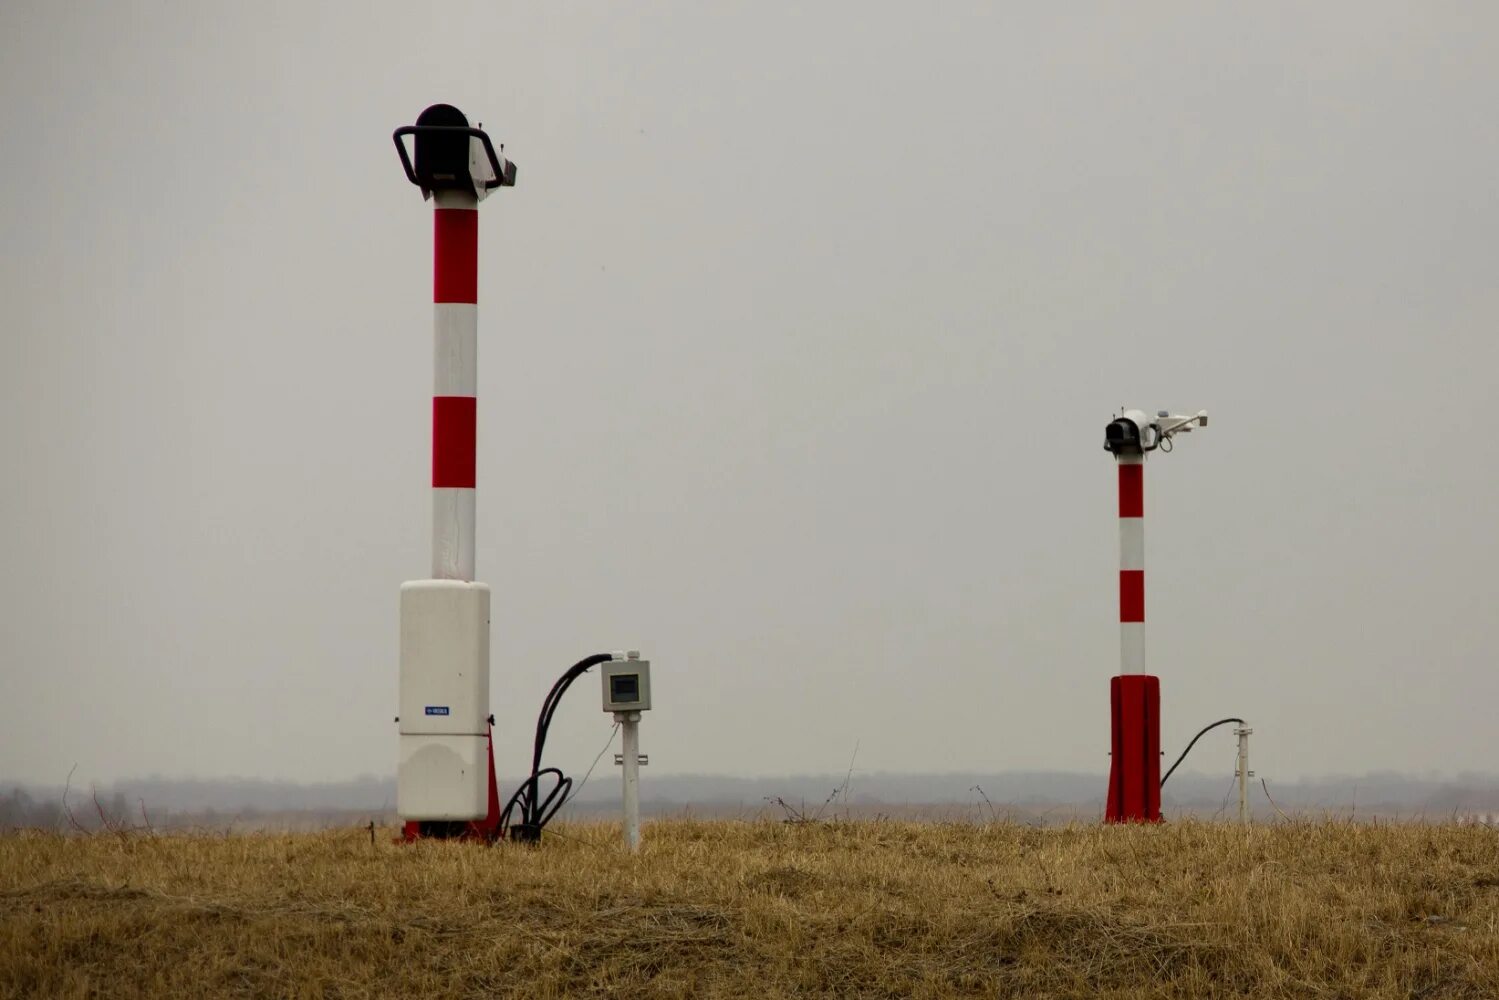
[{"x": 797, "y": 341}]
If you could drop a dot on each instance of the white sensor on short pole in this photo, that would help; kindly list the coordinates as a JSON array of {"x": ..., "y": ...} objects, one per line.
[{"x": 627, "y": 693}]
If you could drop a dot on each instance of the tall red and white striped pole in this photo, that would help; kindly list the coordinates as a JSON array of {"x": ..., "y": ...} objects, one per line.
[
  {"x": 455, "y": 328},
  {"x": 1134, "y": 695},
  {"x": 445, "y": 779}
]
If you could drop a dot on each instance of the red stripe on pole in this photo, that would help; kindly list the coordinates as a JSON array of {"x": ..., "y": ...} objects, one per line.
[
  {"x": 1131, "y": 595},
  {"x": 1131, "y": 491},
  {"x": 453, "y": 421},
  {"x": 455, "y": 255}
]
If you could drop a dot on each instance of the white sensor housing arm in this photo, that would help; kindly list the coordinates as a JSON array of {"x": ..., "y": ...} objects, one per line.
[
  {"x": 1134, "y": 433},
  {"x": 1171, "y": 423}
]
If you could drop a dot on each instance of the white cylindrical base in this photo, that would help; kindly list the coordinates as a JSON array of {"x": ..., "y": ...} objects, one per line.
[
  {"x": 630, "y": 740},
  {"x": 444, "y": 697},
  {"x": 442, "y": 777}
]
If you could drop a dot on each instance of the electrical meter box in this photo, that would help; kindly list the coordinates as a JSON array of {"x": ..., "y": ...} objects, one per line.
[
  {"x": 627, "y": 685},
  {"x": 444, "y": 722}
]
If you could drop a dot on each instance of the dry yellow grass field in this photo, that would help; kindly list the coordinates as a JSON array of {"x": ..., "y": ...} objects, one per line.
[{"x": 761, "y": 909}]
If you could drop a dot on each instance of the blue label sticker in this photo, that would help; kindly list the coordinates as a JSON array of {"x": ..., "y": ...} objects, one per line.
[{"x": 437, "y": 710}]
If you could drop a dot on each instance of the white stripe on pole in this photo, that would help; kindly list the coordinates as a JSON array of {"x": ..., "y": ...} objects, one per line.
[
  {"x": 451, "y": 198},
  {"x": 1132, "y": 543},
  {"x": 1131, "y": 647},
  {"x": 452, "y": 533},
  {"x": 455, "y": 358}
]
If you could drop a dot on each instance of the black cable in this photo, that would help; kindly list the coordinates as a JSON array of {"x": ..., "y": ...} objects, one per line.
[
  {"x": 1205, "y": 729},
  {"x": 536, "y": 811}
]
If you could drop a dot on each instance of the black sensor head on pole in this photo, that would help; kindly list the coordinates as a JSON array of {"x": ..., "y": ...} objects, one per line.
[
  {"x": 442, "y": 156},
  {"x": 1122, "y": 437},
  {"x": 452, "y": 155}
]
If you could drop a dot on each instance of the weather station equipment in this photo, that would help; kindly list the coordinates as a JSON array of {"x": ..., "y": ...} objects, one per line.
[
  {"x": 627, "y": 693},
  {"x": 445, "y": 778},
  {"x": 1135, "y": 696}
]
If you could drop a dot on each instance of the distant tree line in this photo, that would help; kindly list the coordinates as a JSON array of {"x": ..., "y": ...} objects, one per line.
[
  {"x": 19, "y": 809},
  {"x": 24, "y": 810}
]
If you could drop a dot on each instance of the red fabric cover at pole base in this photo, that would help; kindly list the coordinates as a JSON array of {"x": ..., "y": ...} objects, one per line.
[
  {"x": 488, "y": 828},
  {"x": 1135, "y": 764}
]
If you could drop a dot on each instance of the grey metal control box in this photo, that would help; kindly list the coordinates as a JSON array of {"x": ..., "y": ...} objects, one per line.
[{"x": 627, "y": 685}]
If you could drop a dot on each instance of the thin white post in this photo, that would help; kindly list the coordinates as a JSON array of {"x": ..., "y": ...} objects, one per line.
[
  {"x": 629, "y": 723},
  {"x": 1244, "y": 773}
]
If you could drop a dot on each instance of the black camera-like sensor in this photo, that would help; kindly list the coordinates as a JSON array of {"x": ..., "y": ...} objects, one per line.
[
  {"x": 442, "y": 156},
  {"x": 1122, "y": 436},
  {"x": 442, "y": 137}
]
